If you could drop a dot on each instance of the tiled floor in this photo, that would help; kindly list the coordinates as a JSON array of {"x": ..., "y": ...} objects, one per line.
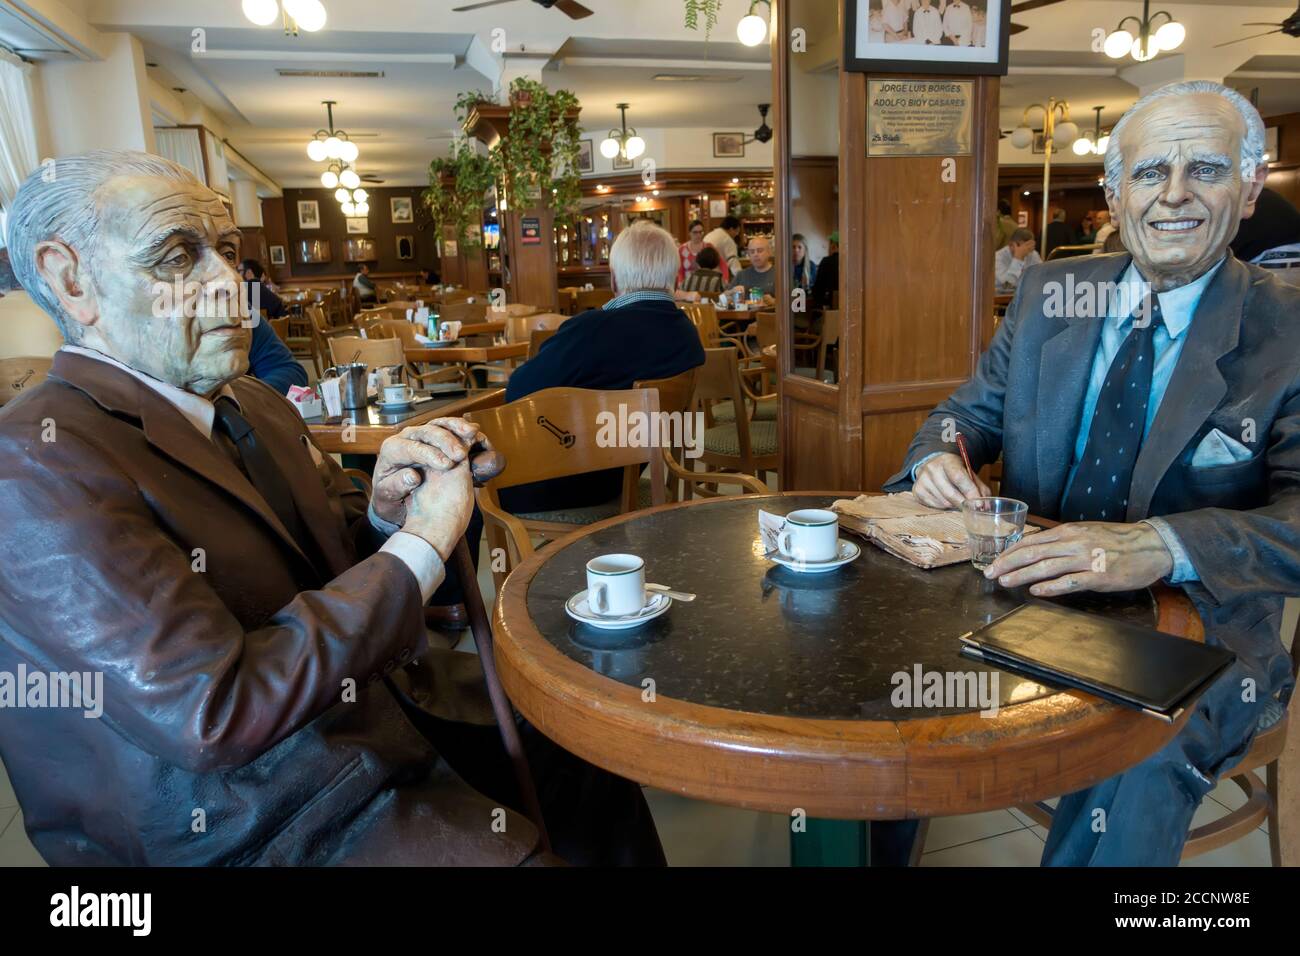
[{"x": 704, "y": 834}]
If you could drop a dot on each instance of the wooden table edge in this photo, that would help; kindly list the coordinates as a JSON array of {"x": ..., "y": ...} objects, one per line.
[{"x": 849, "y": 769}]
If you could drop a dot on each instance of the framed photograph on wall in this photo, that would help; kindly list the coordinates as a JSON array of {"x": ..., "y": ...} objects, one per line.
[
  {"x": 277, "y": 256},
  {"x": 358, "y": 224},
  {"x": 717, "y": 209},
  {"x": 402, "y": 209},
  {"x": 621, "y": 162},
  {"x": 728, "y": 145},
  {"x": 308, "y": 214},
  {"x": 966, "y": 38},
  {"x": 586, "y": 157}
]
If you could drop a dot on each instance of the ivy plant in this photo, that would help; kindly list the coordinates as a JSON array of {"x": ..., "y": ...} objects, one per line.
[{"x": 708, "y": 9}]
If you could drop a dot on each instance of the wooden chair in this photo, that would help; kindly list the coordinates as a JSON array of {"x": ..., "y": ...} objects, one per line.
[
  {"x": 463, "y": 312},
  {"x": 321, "y": 333},
  {"x": 1262, "y": 796},
  {"x": 281, "y": 328},
  {"x": 677, "y": 397},
  {"x": 739, "y": 446},
  {"x": 21, "y": 374},
  {"x": 509, "y": 311},
  {"x": 818, "y": 344},
  {"x": 567, "y": 296},
  {"x": 301, "y": 347},
  {"x": 553, "y": 434},
  {"x": 704, "y": 316},
  {"x": 404, "y": 332},
  {"x": 376, "y": 353},
  {"x": 591, "y": 299},
  {"x": 535, "y": 339}
]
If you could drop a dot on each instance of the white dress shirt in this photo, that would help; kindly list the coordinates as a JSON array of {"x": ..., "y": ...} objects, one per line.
[
  {"x": 412, "y": 550},
  {"x": 1009, "y": 269},
  {"x": 957, "y": 24},
  {"x": 721, "y": 240},
  {"x": 927, "y": 25},
  {"x": 895, "y": 14}
]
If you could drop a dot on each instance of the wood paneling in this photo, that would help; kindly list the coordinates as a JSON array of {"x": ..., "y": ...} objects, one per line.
[{"x": 333, "y": 226}]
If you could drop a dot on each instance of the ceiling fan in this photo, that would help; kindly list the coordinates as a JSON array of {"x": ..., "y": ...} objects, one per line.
[
  {"x": 1025, "y": 7},
  {"x": 570, "y": 8},
  {"x": 1290, "y": 26}
]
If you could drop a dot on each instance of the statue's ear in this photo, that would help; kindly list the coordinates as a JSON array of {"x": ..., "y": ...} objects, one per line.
[
  {"x": 68, "y": 280},
  {"x": 1253, "y": 188}
]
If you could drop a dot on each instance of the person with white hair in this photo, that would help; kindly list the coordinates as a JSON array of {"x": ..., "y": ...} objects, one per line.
[
  {"x": 639, "y": 334},
  {"x": 246, "y": 613},
  {"x": 1149, "y": 400}
]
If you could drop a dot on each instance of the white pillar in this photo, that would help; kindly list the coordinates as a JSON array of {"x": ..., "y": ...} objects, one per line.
[
  {"x": 248, "y": 208},
  {"x": 101, "y": 104}
]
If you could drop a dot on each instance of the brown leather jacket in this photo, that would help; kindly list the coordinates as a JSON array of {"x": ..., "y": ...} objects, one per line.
[{"x": 225, "y": 738}]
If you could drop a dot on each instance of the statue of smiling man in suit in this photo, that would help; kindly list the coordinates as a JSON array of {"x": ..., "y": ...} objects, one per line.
[
  {"x": 1151, "y": 402},
  {"x": 171, "y": 526}
]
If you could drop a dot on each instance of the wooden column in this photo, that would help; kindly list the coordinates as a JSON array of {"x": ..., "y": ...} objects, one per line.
[{"x": 916, "y": 290}]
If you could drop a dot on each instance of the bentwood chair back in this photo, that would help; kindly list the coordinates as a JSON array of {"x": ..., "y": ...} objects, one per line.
[
  {"x": 400, "y": 330},
  {"x": 321, "y": 333},
  {"x": 376, "y": 353},
  {"x": 18, "y": 375},
  {"x": 519, "y": 327},
  {"x": 830, "y": 336},
  {"x": 535, "y": 339},
  {"x": 555, "y": 433},
  {"x": 743, "y": 446},
  {"x": 466, "y": 313},
  {"x": 591, "y": 299},
  {"x": 704, "y": 316}
]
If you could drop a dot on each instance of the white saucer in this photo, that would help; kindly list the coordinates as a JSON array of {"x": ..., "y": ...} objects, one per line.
[
  {"x": 395, "y": 406},
  {"x": 578, "y": 609},
  {"x": 849, "y": 551}
]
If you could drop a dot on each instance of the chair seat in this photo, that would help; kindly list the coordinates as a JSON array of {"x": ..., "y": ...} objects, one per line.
[
  {"x": 724, "y": 440},
  {"x": 723, "y": 412},
  {"x": 589, "y": 514}
]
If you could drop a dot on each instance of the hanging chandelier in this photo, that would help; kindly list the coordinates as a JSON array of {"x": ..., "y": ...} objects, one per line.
[
  {"x": 623, "y": 143},
  {"x": 340, "y": 174},
  {"x": 331, "y": 143},
  {"x": 1149, "y": 41},
  {"x": 297, "y": 15},
  {"x": 1096, "y": 143},
  {"x": 353, "y": 202}
]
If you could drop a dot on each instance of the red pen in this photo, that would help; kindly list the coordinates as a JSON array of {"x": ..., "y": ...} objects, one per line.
[{"x": 965, "y": 457}]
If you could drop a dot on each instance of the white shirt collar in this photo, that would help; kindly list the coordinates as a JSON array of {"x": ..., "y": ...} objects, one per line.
[
  {"x": 1177, "y": 306},
  {"x": 198, "y": 411}
]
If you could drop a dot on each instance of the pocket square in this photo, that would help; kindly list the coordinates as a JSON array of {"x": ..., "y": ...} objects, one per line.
[{"x": 1216, "y": 449}]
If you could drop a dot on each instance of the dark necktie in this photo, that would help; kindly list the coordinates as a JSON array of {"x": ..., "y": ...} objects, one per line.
[
  {"x": 259, "y": 465},
  {"x": 1101, "y": 483}
]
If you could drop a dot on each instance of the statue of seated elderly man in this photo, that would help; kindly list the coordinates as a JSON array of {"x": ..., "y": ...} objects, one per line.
[{"x": 178, "y": 540}]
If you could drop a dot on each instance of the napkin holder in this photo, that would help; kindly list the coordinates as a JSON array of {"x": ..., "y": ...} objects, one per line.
[{"x": 306, "y": 400}]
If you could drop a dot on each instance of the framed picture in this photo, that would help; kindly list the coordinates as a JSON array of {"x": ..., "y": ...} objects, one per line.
[
  {"x": 586, "y": 157},
  {"x": 402, "y": 209},
  {"x": 717, "y": 209},
  {"x": 728, "y": 145},
  {"x": 360, "y": 250},
  {"x": 1272, "y": 144},
  {"x": 964, "y": 38},
  {"x": 621, "y": 162},
  {"x": 308, "y": 214},
  {"x": 277, "y": 256},
  {"x": 406, "y": 247},
  {"x": 358, "y": 225}
]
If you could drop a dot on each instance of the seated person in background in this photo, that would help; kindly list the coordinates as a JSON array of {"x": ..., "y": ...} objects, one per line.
[
  {"x": 1087, "y": 229},
  {"x": 705, "y": 280},
  {"x": 1191, "y": 342},
  {"x": 639, "y": 334},
  {"x": 827, "y": 284},
  {"x": 251, "y": 685},
  {"x": 689, "y": 250},
  {"x": 1104, "y": 229},
  {"x": 1276, "y": 223},
  {"x": 1113, "y": 243},
  {"x": 804, "y": 273},
  {"x": 364, "y": 285},
  {"x": 1058, "y": 231},
  {"x": 257, "y": 291},
  {"x": 723, "y": 238},
  {"x": 760, "y": 273},
  {"x": 428, "y": 277},
  {"x": 1010, "y": 261}
]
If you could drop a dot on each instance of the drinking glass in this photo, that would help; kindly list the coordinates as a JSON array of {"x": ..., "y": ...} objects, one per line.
[{"x": 992, "y": 526}]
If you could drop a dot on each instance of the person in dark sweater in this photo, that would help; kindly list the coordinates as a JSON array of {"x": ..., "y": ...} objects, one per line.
[
  {"x": 269, "y": 359},
  {"x": 640, "y": 334}
]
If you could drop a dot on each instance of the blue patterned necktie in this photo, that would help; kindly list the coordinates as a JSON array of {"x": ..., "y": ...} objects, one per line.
[{"x": 1100, "y": 489}]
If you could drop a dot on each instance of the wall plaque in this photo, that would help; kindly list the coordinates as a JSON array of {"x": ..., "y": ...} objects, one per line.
[{"x": 919, "y": 117}]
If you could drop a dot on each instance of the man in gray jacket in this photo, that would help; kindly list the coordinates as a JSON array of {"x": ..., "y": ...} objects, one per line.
[{"x": 1151, "y": 403}]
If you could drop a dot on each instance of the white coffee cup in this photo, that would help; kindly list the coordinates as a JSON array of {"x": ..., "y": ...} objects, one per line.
[
  {"x": 397, "y": 394},
  {"x": 616, "y": 584},
  {"x": 810, "y": 535}
]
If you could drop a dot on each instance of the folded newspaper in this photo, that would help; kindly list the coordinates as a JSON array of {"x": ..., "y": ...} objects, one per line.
[{"x": 922, "y": 536}]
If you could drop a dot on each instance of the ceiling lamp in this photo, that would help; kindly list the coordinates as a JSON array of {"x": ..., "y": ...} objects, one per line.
[
  {"x": 623, "y": 143},
  {"x": 752, "y": 29},
  {"x": 1149, "y": 41},
  {"x": 331, "y": 143},
  {"x": 349, "y": 178},
  {"x": 298, "y": 15},
  {"x": 1096, "y": 143}
]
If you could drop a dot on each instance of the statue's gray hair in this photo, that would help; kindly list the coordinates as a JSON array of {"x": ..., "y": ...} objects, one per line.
[
  {"x": 1252, "y": 144},
  {"x": 60, "y": 201},
  {"x": 644, "y": 257}
]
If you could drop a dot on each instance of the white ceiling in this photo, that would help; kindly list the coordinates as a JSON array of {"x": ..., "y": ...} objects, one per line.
[{"x": 428, "y": 54}]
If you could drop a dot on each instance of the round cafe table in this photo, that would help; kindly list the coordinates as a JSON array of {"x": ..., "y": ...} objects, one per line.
[{"x": 772, "y": 690}]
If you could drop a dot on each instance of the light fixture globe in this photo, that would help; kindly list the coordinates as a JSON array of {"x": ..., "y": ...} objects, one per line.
[
  {"x": 1022, "y": 137},
  {"x": 363, "y": 208},
  {"x": 350, "y": 178},
  {"x": 752, "y": 29},
  {"x": 1171, "y": 35},
  {"x": 329, "y": 179},
  {"x": 334, "y": 147},
  {"x": 1103, "y": 144},
  {"x": 308, "y": 14},
  {"x": 634, "y": 147},
  {"x": 1082, "y": 147},
  {"x": 1142, "y": 54},
  {"x": 348, "y": 152},
  {"x": 316, "y": 151},
  {"x": 1118, "y": 44},
  {"x": 342, "y": 195},
  {"x": 1065, "y": 134},
  {"x": 360, "y": 195},
  {"x": 609, "y": 148},
  {"x": 261, "y": 12},
  {"x": 349, "y": 209}
]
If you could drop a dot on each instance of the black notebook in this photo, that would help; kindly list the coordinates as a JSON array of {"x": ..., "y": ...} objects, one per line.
[{"x": 1128, "y": 664}]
